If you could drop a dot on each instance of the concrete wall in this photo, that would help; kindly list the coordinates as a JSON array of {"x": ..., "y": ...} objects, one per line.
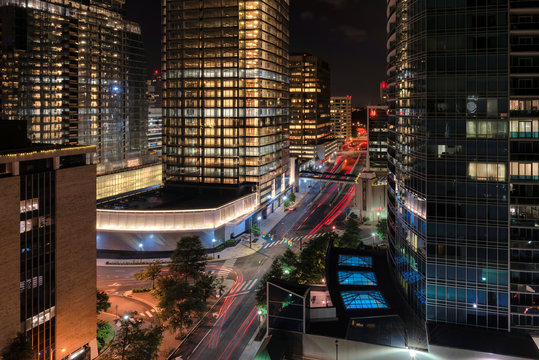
[
  {"x": 75, "y": 258},
  {"x": 10, "y": 259},
  {"x": 175, "y": 220}
]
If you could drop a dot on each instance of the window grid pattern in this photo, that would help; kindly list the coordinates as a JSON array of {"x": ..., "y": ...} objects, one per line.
[
  {"x": 358, "y": 261},
  {"x": 366, "y": 278},
  {"x": 364, "y": 300}
]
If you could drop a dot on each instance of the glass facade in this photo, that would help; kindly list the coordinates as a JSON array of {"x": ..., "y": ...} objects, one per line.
[
  {"x": 38, "y": 244},
  {"x": 75, "y": 71},
  {"x": 154, "y": 95},
  {"x": 448, "y": 154},
  {"x": 462, "y": 159},
  {"x": 523, "y": 169},
  {"x": 363, "y": 300},
  {"x": 310, "y": 119},
  {"x": 130, "y": 180},
  {"x": 377, "y": 137},
  {"x": 225, "y": 92}
]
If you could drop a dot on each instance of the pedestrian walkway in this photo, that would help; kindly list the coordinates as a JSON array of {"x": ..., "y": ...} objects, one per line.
[{"x": 293, "y": 240}]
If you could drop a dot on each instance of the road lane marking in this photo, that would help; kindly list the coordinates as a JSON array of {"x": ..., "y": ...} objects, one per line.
[
  {"x": 252, "y": 284},
  {"x": 149, "y": 314}
]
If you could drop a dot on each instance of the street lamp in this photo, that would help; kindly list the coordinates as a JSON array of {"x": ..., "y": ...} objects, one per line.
[
  {"x": 373, "y": 238},
  {"x": 140, "y": 250},
  {"x": 213, "y": 244},
  {"x": 126, "y": 317}
]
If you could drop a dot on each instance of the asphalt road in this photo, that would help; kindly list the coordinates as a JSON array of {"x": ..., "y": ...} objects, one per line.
[{"x": 227, "y": 337}]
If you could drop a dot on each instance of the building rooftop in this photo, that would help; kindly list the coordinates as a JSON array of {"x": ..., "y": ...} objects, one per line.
[{"x": 173, "y": 199}]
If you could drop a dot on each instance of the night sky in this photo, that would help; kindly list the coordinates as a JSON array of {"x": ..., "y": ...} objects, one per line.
[{"x": 348, "y": 34}]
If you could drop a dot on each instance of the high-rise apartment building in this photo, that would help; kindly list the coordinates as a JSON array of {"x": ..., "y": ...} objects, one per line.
[
  {"x": 225, "y": 93},
  {"x": 310, "y": 119},
  {"x": 75, "y": 71},
  {"x": 155, "y": 118},
  {"x": 463, "y": 159},
  {"x": 341, "y": 117},
  {"x": 48, "y": 231}
]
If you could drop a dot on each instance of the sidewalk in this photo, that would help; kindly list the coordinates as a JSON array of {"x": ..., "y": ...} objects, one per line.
[{"x": 240, "y": 250}]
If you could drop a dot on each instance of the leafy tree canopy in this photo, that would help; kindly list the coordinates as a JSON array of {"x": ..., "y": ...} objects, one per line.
[{"x": 103, "y": 303}]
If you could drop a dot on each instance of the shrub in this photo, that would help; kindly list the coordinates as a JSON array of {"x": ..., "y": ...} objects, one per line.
[
  {"x": 105, "y": 334},
  {"x": 141, "y": 290}
]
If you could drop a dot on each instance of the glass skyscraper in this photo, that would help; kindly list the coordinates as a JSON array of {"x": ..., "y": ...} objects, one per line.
[
  {"x": 463, "y": 159},
  {"x": 75, "y": 71},
  {"x": 225, "y": 93}
]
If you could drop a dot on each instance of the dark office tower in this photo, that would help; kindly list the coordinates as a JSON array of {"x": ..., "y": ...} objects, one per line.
[
  {"x": 225, "y": 92},
  {"x": 452, "y": 229},
  {"x": 155, "y": 119},
  {"x": 377, "y": 137},
  {"x": 75, "y": 71},
  {"x": 524, "y": 163},
  {"x": 310, "y": 119}
]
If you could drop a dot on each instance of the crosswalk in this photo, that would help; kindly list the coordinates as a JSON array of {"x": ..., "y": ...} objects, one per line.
[
  {"x": 247, "y": 285},
  {"x": 224, "y": 271},
  {"x": 295, "y": 239},
  {"x": 147, "y": 313}
]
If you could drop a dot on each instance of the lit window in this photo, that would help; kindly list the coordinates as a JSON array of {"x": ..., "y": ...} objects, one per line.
[
  {"x": 486, "y": 171},
  {"x": 363, "y": 300}
]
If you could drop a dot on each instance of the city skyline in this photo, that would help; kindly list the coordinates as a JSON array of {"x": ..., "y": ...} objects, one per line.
[
  {"x": 354, "y": 28},
  {"x": 204, "y": 185}
]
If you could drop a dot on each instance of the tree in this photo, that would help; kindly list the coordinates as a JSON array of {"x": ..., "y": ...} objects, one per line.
[
  {"x": 311, "y": 266},
  {"x": 19, "y": 349},
  {"x": 152, "y": 272},
  {"x": 255, "y": 229},
  {"x": 286, "y": 203},
  {"x": 103, "y": 303},
  {"x": 183, "y": 295},
  {"x": 289, "y": 262},
  {"x": 352, "y": 233},
  {"x": 189, "y": 257},
  {"x": 274, "y": 272},
  {"x": 292, "y": 197},
  {"x": 381, "y": 228},
  {"x": 135, "y": 343}
]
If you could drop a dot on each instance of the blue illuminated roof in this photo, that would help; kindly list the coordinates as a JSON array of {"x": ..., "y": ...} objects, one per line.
[
  {"x": 357, "y": 278},
  {"x": 363, "y": 300},
  {"x": 359, "y": 261}
]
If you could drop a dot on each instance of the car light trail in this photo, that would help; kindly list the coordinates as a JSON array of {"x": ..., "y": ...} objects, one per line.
[
  {"x": 242, "y": 334},
  {"x": 237, "y": 331}
]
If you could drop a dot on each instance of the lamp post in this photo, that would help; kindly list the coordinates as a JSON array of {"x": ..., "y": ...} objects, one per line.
[
  {"x": 213, "y": 244},
  {"x": 373, "y": 238},
  {"x": 140, "y": 250},
  {"x": 336, "y": 349}
]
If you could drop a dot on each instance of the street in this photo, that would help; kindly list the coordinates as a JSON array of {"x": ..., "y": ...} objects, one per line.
[{"x": 226, "y": 336}]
